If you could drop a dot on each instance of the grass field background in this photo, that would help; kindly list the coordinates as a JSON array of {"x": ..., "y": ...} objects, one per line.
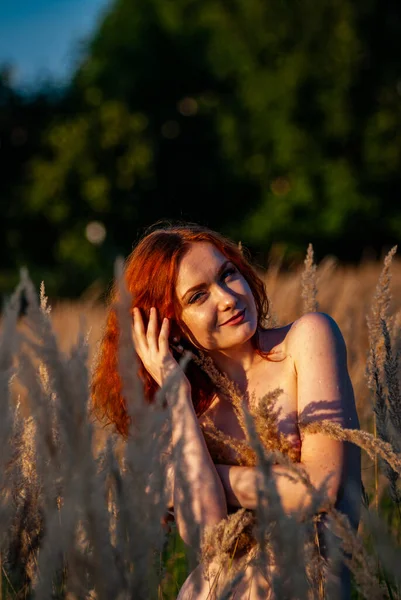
[{"x": 344, "y": 292}]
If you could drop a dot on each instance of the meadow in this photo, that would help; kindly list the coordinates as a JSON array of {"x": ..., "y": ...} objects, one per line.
[{"x": 81, "y": 510}]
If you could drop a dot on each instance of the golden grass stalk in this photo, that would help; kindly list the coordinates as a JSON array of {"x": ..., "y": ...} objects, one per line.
[
  {"x": 218, "y": 541},
  {"x": 379, "y": 311},
  {"x": 9, "y": 345},
  {"x": 77, "y": 498},
  {"x": 275, "y": 449},
  {"x": 147, "y": 444},
  {"x": 385, "y": 545},
  {"x": 225, "y": 386},
  {"x": 375, "y": 363},
  {"x": 392, "y": 374},
  {"x": 381, "y": 429},
  {"x": 96, "y": 510},
  {"x": 392, "y": 425},
  {"x": 225, "y": 449},
  {"x": 279, "y": 536},
  {"x": 358, "y": 560},
  {"x": 263, "y": 410},
  {"x": 308, "y": 283}
]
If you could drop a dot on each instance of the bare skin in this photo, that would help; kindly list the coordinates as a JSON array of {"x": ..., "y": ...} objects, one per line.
[{"x": 309, "y": 365}]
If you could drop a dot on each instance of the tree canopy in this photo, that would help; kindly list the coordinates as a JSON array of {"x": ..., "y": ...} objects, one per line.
[{"x": 276, "y": 122}]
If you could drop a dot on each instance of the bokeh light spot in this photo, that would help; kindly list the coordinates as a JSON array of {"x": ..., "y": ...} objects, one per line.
[
  {"x": 280, "y": 186},
  {"x": 95, "y": 232},
  {"x": 188, "y": 107}
]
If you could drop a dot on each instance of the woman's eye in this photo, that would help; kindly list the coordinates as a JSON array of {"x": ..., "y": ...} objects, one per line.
[
  {"x": 199, "y": 295},
  {"x": 195, "y": 297},
  {"x": 228, "y": 272}
]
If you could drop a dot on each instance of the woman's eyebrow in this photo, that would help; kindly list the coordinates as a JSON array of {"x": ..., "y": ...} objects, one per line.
[{"x": 201, "y": 285}]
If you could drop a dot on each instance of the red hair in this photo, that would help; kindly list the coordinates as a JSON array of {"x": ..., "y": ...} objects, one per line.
[{"x": 151, "y": 273}]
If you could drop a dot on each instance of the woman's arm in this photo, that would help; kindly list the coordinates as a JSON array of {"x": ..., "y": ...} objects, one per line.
[
  {"x": 240, "y": 484},
  {"x": 324, "y": 392},
  {"x": 198, "y": 494}
]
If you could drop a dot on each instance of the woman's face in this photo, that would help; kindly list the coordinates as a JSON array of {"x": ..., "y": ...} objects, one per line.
[{"x": 211, "y": 291}]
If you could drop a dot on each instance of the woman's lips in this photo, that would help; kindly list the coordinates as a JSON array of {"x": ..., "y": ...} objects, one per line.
[{"x": 237, "y": 319}]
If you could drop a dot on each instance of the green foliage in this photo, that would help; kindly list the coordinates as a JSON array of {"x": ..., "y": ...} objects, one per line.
[
  {"x": 22, "y": 121},
  {"x": 276, "y": 122},
  {"x": 96, "y": 158}
]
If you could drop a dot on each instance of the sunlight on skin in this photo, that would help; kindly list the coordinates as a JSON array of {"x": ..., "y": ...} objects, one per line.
[
  {"x": 222, "y": 294},
  {"x": 317, "y": 353},
  {"x": 219, "y": 316}
]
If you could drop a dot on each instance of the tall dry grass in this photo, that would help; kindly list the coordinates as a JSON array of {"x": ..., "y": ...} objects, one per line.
[{"x": 81, "y": 511}]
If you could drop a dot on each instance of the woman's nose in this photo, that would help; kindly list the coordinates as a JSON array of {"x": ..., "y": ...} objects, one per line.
[{"x": 226, "y": 299}]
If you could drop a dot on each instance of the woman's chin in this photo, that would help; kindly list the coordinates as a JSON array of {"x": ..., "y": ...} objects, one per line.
[{"x": 243, "y": 335}]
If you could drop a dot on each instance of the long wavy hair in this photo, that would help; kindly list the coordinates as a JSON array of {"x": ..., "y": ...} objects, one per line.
[{"x": 151, "y": 273}]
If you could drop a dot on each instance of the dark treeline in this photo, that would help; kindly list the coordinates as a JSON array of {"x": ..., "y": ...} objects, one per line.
[{"x": 277, "y": 122}]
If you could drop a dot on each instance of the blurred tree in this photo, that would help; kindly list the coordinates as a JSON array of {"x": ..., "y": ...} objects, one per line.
[
  {"x": 276, "y": 122},
  {"x": 24, "y": 238}
]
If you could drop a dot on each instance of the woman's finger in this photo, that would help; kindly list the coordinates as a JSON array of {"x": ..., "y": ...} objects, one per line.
[
  {"x": 152, "y": 332},
  {"x": 163, "y": 337},
  {"x": 138, "y": 330},
  {"x": 135, "y": 340}
]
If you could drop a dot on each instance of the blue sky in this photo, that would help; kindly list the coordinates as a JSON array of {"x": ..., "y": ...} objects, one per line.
[{"x": 42, "y": 38}]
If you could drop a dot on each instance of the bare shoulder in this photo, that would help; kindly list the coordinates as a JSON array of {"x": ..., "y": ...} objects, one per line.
[
  {"x": 315, "y": 333},
  {"x": 319, "y": 357}
]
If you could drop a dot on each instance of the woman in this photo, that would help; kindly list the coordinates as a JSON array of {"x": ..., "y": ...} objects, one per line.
[{"x": 193, "y": 288}]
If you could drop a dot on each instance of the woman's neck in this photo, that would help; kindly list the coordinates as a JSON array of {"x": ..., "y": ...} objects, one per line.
[{"x": 237, "y": 363}]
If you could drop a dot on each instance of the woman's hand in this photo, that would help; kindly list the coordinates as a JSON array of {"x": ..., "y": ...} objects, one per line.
[{"x": 152, "y": 347}]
